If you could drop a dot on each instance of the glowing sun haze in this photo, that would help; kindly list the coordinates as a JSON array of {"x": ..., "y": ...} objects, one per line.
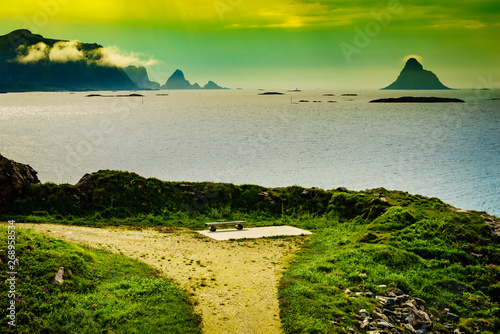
[{"x": 276, "y": 43}]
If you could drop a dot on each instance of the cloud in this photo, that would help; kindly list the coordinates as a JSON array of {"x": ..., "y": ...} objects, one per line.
[
  {"x": 459, "y": 24},
  {"x": 113, "y": 56},
  {"x": 32, "y": 53},
  {"x": 73, "y": 51},
  {"x": 63, "y": 52}
]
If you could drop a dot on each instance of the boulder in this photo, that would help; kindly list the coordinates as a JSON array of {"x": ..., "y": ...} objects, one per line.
[
  {"x": 14, "y": 177},
  {"x": 59, "y": 276}
]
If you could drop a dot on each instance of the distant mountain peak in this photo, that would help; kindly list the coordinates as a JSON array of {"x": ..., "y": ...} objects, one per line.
[
  {"x": 178, "y": 81},
  {"x": 413, "y": 76},
  {"x": 178, "y": 74},
  {"x": 413, "y": 65}
]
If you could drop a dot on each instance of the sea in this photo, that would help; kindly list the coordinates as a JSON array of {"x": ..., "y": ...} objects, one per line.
[{"x": 445, "y": 150}]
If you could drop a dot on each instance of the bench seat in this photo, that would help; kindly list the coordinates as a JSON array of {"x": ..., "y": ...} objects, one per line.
[{"x": 212, "y": 226}]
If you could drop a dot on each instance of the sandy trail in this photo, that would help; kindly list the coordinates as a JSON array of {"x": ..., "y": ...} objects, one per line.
[{"x": 234, "y": 283}]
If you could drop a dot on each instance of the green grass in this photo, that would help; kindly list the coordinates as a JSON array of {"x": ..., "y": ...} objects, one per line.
[
  {"x": 101, "y": 293},
  {"x": 361, "y": 240},
  {"x": 428, "y": 256}
]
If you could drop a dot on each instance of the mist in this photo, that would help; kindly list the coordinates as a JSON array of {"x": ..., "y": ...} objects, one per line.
[{"x": 73, "y": 51}]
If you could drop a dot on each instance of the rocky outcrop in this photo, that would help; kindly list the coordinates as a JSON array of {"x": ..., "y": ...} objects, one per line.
[
  {"x": 398, "y": 313},
  {"x": 413, "y": 76},
  {"x": 493, "y": 223},
  {"x": 212, "y": 85},
  {"x": 178, "y": 81},
  {"x": 14, "y": 177},
  {"x": 139, "y": 75},
  {"x": 272, "y": 93},
  {"x": 412, "y": 99}
]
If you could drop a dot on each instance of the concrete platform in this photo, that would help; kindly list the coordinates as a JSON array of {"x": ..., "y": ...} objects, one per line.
[{"x": 255, "y": 232}]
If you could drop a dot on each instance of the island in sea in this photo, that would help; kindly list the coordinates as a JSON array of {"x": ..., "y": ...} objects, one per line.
[
  {"x": 178, "y": 81},
  {"x": 30, "y": 62},
  {"x": 414, "y": 77}
]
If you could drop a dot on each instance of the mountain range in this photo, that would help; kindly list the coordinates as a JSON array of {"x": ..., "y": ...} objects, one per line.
[{"x": 30, "y": 62}]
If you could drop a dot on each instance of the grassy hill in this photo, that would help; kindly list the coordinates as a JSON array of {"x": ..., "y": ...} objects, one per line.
[
  {"x": 365, "y": 244},
  {"x": 101, "y": 292}
]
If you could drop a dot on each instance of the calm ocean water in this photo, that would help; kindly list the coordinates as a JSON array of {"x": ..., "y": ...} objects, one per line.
[{"x": 449, "y": 151}]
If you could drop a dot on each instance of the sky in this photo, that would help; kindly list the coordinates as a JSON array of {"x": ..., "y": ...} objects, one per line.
[{"x": 280, "y": 43}]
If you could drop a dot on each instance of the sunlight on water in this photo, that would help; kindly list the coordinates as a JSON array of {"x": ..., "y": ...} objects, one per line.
[{"x": 450, "y": 151}]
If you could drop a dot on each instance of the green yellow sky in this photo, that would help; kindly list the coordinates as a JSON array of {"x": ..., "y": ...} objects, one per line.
[{"x": 281, "y": 43}]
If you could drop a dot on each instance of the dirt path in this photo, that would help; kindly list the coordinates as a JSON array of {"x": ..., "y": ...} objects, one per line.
[{"x": 233, "y": 282}]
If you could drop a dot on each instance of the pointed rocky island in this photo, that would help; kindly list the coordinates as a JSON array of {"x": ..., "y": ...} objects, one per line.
[
  {"x": 178, "y": 81},
  {"x": 414, "y": 77}
]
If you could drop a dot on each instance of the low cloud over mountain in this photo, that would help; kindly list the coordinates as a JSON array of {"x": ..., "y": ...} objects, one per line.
[{"x": 64, "y": 51}]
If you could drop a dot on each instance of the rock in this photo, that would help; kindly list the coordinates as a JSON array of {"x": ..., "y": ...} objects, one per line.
[
  {"x": 413, "y": 76},
  {"x": 139, "y": 75},
  {"x": 410, "y": 328},
  {"x": 271, "y": 93},
  {"x": 402, "y": 298},
  {"x": 178, "y": 81},
  {"x": 59, "y": 276},
  {"x": 405, "y": 310},
  {"x": 369, "y": 294},
  {"x": 422, "y": 99},
  {"x": 410, "y": 319},
  {"x": 493, "y": 223},
  {"x": 14, "y": 178},
  {"x": 365, "y": 323},
  {"x": 452, "y": 316},
  {"x": 364, "y": 313},
  {"x": 387, "y": 301},
  {"x": 213, "y": 85},
  {"x": 130, "y": 95},
  {"x": 395, "y": 291},
  {"x": 380, "y": 316},
  {"x": 383, "y": 324},
  {"x": 426, "y": 325}
]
